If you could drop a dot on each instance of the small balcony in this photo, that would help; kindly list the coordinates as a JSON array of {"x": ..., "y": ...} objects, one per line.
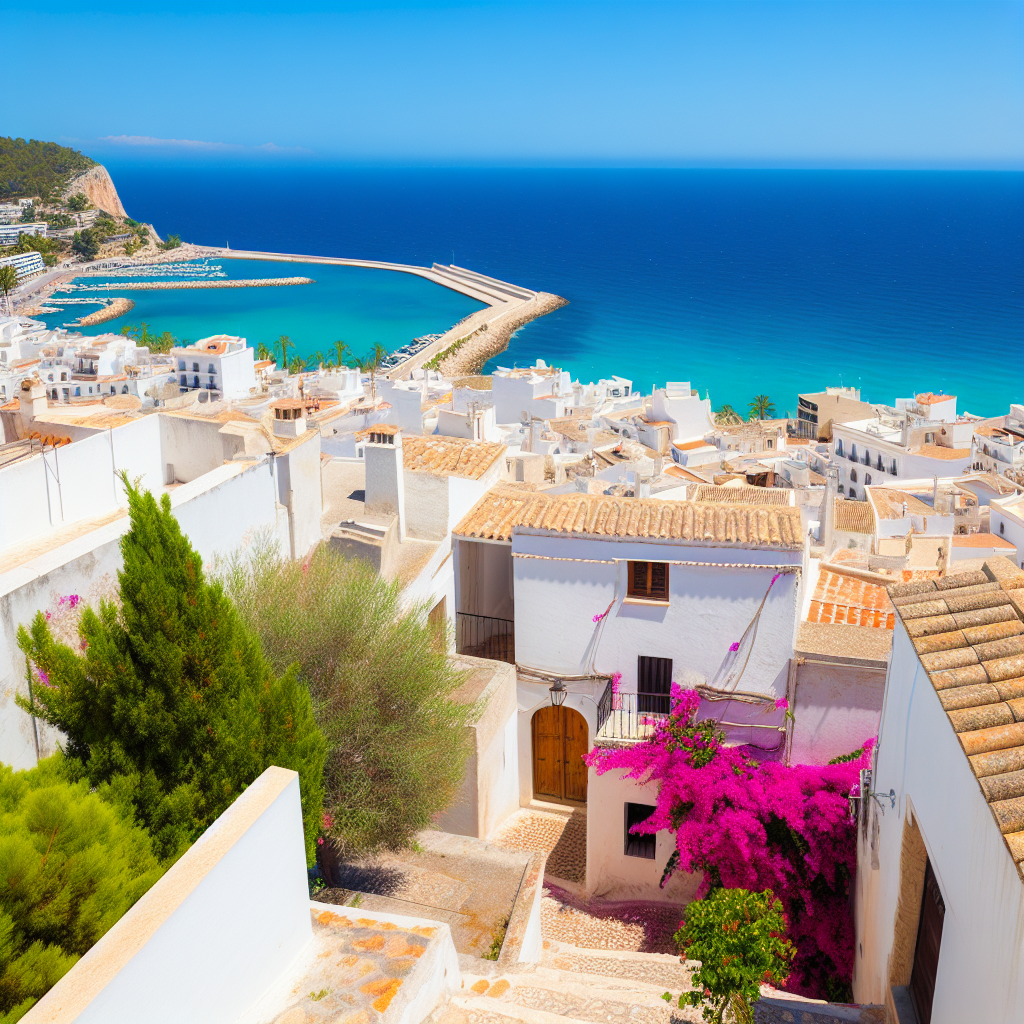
[
  {"x": 630, "y": 716},
  {"x": 483, "y": 636}
]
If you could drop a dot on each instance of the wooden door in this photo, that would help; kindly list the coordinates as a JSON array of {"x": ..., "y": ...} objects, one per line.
[
  {"x": 575, "y": 748},
  {"x": 559, "y": 743},
  {"x": 926, "y": 953}
]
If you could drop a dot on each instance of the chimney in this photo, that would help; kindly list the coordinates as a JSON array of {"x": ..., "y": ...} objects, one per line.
[
  {"x": 385, "y": 476},
  {"x": 32, "y": 400},
  {"x": 826, "y": 530}
]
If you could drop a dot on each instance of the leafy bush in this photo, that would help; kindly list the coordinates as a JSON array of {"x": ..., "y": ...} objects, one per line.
[
  {"x": 167, "y": 699},
  {"x": 173, "y": 242},
  {"x": 739, "y": 939},
  {"x": 756, "y": 826},
  {"x": 86, "y": 243},
  {"x": 78, "y": 202},
  {"x": 72, "y": 864},
  {"x": 382, "y": 685}
]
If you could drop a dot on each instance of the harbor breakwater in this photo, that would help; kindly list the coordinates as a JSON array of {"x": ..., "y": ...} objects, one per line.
[
  {"x": 111, "y": 311},
  {"x": 120, "y": 286}
]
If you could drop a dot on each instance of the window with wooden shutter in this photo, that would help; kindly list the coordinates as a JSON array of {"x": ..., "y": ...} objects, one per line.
[{"x": 649, "y": 580}]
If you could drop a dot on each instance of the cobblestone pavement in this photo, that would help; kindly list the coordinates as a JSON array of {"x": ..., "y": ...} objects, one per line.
[
  {"x": 670, "y": 973},
  {"x": 563, "y": 837},
  {"x": 596, "y": 924},
  {"x": 814, "y": 1013}
]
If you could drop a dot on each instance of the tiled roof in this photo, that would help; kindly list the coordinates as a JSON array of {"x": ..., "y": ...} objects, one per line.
[
  {"x": 449, "y": 456},
  {"x": 742, "y": 495},
  {"x": 854, "y": 516},
  {"x": 981, "y": 540},
  {"x": 689, "y": 446},
  {"x": 684, "y": 474},
  {"x": 968, "y": 631},
  {"x": 504, "y": 507},
  {"x": 850, "y": 601},
  {"x": 927, "y": 398},
  {"x": 938, "y": 451},
  {"x": 858, "y": 644},
  {"x": 888, "y": 503}
]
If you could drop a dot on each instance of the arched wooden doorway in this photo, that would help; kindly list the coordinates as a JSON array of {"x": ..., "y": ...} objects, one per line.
[{"x": 559, "y": 743}]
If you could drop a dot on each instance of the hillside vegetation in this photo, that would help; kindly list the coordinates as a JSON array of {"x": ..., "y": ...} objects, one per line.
[{"x": 37, "y": 168}]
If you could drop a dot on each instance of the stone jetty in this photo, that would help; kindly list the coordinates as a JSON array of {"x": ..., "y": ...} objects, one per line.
[{"x": 120, "y": 286}]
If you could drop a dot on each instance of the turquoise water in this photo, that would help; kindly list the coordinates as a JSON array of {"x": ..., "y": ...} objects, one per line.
[{"x": 356, "y": 305}]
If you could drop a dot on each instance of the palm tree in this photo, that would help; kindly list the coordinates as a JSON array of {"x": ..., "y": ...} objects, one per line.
[
  {"x": 262, "y": 352},
  {"x": 317, "y": 359},
  {"x": 341, "y": 349},
  {"x": 371, "y": 364},
  {"x": 8, "y": 282},
  {"x": 762, "y": 408},
  {"x": 284, "y": 343},
  {"x": 727, "y": 415},
  {"x": 297, "y": 365}
]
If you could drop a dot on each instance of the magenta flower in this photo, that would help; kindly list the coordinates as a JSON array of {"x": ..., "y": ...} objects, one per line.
[
  {"x": 735, "y": 646},
  {"x": 774, "y": 578},
  {"x": 44, "y": 678},
  {"x": 782, "y": 704}
]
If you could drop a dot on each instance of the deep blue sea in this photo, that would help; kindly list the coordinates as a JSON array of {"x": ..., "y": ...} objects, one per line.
[{"x": 742, "y": 282}]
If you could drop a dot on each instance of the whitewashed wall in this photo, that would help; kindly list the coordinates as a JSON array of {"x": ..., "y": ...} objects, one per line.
[
  {"x": 981, "y": 959},
  {"x": 709, "y": 608},
  {"x": 610, "y": 873}
]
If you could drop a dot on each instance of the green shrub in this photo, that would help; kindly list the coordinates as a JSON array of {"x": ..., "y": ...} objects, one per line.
[
  {"x": 71, "y": 866},
  {"x": 168, "y": 702},
  {"x": 382, "y": 685},
  {"x": 739, "y": 939}
]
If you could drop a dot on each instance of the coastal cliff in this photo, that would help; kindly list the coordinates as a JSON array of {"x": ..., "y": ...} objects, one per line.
[{"x": 99, "y": 189}]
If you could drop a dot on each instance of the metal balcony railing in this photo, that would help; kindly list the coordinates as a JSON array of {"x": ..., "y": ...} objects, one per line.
[
  {"x": 484, "y": 636},
  {"x": 630, "y": 716}
]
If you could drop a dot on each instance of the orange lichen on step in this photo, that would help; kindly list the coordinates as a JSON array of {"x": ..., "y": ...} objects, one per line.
[
  {"x": 499, "y": 988},
  {"x": 423, "y": 931},
  {"x": 329, "y": 918},
  {"x": 382, "y": 926},
  {"x": 373, "y": 942},
  {"x": 398, "y": 946},
  {"x": 383, "y": 990},
  {"x": 481, "y": 986}
]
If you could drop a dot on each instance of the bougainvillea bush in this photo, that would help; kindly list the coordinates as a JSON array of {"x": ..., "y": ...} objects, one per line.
[{"x": 756, "y": 826}]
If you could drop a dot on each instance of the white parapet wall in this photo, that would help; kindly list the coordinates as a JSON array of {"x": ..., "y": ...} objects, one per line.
[{"x": 229, "y": 934}]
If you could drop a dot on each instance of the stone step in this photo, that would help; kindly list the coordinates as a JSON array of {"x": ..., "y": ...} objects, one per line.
[{"x": 653, "y": 968}]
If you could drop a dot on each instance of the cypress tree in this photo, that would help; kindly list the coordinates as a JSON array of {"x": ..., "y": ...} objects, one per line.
[{"x": 169, "y": 705}]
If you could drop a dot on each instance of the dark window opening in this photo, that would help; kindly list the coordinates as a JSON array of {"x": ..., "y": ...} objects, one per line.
[
  {"x": 653, "y": 684},
  {"x": 926, "y": 952},
  {"x": 649, "y": 579},
  {"x": 639, "y": 845}
]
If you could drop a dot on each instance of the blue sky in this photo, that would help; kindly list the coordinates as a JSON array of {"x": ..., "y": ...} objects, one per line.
[{"x": 822, "y": 84}]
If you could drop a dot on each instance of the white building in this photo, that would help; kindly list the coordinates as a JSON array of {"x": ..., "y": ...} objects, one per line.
[
  {"x": 26, "y": 264},
  {"x": 10, "y": 233},
  {"x": 920, "y": 437},
  {"x": 221, "y": 363},
  {"x": 578, "y": 587},
  {"x": 677, "y": 403},
  {"x": 538, "y": 391},
  {"x": 1006, "y": 521},
  {"x": 999, "y": 447},
  {"x": 939, "y": 897}
]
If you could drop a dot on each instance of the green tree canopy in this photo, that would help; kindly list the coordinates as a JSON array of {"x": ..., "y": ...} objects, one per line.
[
  {"x": 382, "y": 685},
  {"x": 86, "y": 243},
  {"x": 8, "y": 281},
  {"x": 739, "y": 937},
  {"x": 37, "y": 168},
  {"x": 78, "y": 202},
  {"x": 726, "y": 416},
  {"x": 173, "y": 242},
  {"x": 170, "y": 702},
  {"x": 71, "y": 865}
]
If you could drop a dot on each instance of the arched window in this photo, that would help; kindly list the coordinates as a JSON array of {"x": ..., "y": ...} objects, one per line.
[
  {"x": 853, "y": 475},
  {"x": 841, "y": 488},
  {"x": 894, "y": 467},
  {"x": 853, "y": 452},
  {"x": 839, "y": 447},
  {"x": 867, "y": 479},
  {"x": 124, "y": 389},
  {"x": 853, "y": 494}
]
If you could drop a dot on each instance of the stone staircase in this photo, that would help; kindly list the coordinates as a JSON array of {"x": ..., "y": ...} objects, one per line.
[{"x": 573, "y": 986}]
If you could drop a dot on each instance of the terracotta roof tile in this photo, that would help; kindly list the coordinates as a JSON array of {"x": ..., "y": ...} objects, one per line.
[
  {"x": 505, "y": 507},
  {"x": 449, "y": 456},
  {"x": 977, "y": 669},
  {"x": 854, "y": 516},
  {"x": 938, "y": 451},
  {"x": 743, "y": 495},
  {"x": 888, "y": 503},
  {"x": 981, "y": 540},
  {"x": 839, "y": 598}
]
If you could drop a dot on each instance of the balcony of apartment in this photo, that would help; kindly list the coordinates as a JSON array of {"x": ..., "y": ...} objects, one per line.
[
  {"x": 629, "y": 716},
  {"x": 485, "y": 636}
]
